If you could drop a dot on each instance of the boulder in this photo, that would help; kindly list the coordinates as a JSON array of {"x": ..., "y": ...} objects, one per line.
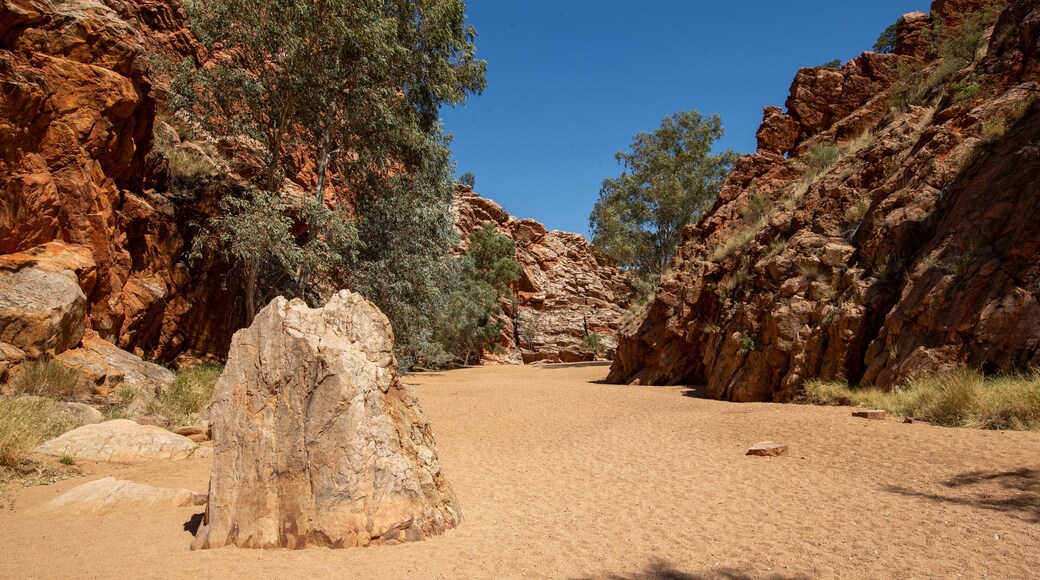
[
  {"x": 112, "y": 375},
  {"x": 41, "y": 312},
  {"x": 10, "y": 356},
  {"x": 77, "y": 413},
  {"x": 316, "y": 441},
  {"x": 122, "y": 441},
  {"x": 105, "y": 495}
]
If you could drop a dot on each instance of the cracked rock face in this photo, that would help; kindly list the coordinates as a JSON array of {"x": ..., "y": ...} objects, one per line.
[{"x": 316, "y": 441}]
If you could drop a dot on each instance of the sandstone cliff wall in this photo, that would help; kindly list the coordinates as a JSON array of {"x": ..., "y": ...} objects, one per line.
[
  {"x": 567, "y": 290},
  {"x": 912, "y": 247}
]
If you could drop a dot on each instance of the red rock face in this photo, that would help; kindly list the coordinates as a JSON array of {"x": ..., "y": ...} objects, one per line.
[
  {"x": 567, "y": 289},
  {"x": 76, "y": 162},
  {"x": 915, "y": 251}
]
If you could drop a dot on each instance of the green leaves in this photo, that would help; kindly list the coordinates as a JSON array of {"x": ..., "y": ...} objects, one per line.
[{"x": 670, "y": 178}]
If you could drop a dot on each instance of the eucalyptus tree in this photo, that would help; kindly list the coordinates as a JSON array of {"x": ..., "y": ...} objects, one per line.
[{"x": 669, "y": 178}]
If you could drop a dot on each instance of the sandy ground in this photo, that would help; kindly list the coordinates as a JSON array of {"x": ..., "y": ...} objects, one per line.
[{"x": 562, "y": 477}]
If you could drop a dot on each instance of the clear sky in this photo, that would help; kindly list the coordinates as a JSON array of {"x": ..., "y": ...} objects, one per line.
[{"x": 570, "y": 82}]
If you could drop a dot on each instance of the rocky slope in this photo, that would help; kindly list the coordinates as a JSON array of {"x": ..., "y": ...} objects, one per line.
[
  {"x": 887, "y": 226},
  {"x": 566, "y": 292}
]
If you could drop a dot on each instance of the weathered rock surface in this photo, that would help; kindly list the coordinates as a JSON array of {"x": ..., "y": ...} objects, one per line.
[
  {"x": 122, "y": 441},
  {"x": 875, "y": 414},
  {"x": 109, "y": 494},
  {"x": 918, "y": 250},
  {"x": 77, "y": 166},
  {"x": 566, "y": 291},
  {"x": 41, "y": 312},
  {"x": 110, "y": 375},
  {"x": 316, "y": 440},
  {"x": 78, "y": 414}
]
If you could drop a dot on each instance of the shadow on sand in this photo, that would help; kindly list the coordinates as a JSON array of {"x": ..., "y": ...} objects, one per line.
[
  {"x": 1016, "y": 492},
  {"x": 662, "y": 570},
  {"x": 192, "y": 525},
  {"x": 576, "y": 365}
]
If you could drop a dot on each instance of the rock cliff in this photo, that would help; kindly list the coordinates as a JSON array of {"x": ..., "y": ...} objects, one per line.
[
  {"x": 77, "y": 164},
  {"x": 567, "y": 289},
  {"x": 887, "y": 226}
]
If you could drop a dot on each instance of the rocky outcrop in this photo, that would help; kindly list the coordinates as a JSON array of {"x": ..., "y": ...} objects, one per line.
[
  {"x": 112, "y": 376},
  {"x": 889, "y": 242},
  {"x": 567, "y": 290},
  {"x": 77, "y": 166},
  {"x": 316, "y": 440},
  {"x": 122, "y": 441}
]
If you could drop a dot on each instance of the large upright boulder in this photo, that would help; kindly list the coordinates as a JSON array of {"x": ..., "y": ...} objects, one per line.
[{"x": 316, "y": 441}]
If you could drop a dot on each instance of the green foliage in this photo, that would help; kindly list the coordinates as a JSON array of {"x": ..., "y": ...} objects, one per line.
[
  {"x": 191, "y": 392},
  {"x": 67, "y": 460},
  {"x": 955, "y": 399},
  {"x": 832, "y": 64},
  {"x": 965, "y": 89},
  {"x": 886, "y": 43},
  {"x": 670, "y": 178},
  {"x": 747, "y": 342},
  {"x": 472, "y": 320},
  {"x": 403, "y": 263},
  {"x": 957, "y": 47},
  {"x": 468, "y": 179},
  {"x": 331, "y": 77},
  {"x": 46, "y": 378},
  {"x": 965, "y": 43},
  {"x": 254, "y": 232},
  {"x": 494, "y": 258},
  {"x": 592, "y": 344}
]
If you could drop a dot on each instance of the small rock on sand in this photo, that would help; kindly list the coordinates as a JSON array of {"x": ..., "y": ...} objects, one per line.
[
  {"x": 768, "y": 449},
  {"x": 875, "y": 414}
]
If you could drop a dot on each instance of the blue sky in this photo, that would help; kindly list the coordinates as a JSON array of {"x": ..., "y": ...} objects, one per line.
[{"x": 570, "y": 82}]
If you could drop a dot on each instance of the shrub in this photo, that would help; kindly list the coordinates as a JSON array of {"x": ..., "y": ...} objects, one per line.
[
  {"x": 954, "y": 399},
  {"x": 756, "y": 215},
  {"x": 855, "y": 213},
  {"x": 25, "y": 422},
  {"x": 191, "y": 391},
  {"x": 747, "y": 342},
  {"x": 820, "y": 158},
  {"x": 592, "y": 344},
  {"x": 965, "y": 90},
  {"x": 46, "y": 378},
  {"x": 187, "y": 166},
  {"x": 832, "y": 64}
]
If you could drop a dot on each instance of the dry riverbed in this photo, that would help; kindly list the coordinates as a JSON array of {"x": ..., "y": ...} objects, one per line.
[{"x": 562, "y": 477}]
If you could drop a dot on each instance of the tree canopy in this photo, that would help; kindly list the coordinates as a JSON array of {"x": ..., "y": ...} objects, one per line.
[
  {"x": 356, "y": 83},
  {"x": 669, "y": 177}
]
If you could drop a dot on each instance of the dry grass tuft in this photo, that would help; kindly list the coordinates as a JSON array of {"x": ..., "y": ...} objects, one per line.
[
  {"x": 191, "y": 392},
  {"x": 25, "y": 422},
  {"x": 46, "y": 378},
  {"x": 954, "y": 399}
]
